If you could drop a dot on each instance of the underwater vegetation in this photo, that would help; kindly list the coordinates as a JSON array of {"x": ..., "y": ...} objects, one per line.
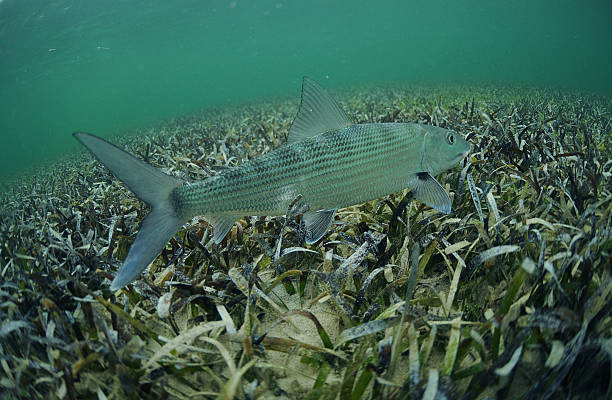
[{"x": 509, "y": 296}]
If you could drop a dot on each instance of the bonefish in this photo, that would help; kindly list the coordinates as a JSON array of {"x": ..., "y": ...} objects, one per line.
[{"x": 328, "y": 163}]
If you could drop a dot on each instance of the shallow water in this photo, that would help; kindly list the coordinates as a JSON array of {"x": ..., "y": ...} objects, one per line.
[{"x": 112, "y": 66}]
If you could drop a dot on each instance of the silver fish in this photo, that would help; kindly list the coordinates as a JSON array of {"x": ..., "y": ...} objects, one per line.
[{"x": 329, "y": 163}]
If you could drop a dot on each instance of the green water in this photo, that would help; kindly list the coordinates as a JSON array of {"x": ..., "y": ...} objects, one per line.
[{"x": 111, "y": 66}]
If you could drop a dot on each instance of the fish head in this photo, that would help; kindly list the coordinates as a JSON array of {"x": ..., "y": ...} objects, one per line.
[{"x": 443, "y": 149}]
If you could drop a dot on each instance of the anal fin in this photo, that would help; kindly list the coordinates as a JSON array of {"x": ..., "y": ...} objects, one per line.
[{"x": 221, "y": 223}]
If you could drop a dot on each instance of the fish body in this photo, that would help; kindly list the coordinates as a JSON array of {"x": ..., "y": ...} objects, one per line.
[
  {"x": 329, "y": 171},
  {"x": 328, "y": 163}
]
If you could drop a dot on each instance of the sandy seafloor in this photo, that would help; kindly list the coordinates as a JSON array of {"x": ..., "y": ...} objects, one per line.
[{"x": 509, "y": 296}]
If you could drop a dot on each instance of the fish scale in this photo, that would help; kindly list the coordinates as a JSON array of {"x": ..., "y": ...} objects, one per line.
[
  {"x": 328, "y": 162},
  {"x": 349, "y": 159}
]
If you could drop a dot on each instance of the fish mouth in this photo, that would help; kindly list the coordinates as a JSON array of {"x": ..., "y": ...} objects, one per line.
[{"x": 462, "y": 155}]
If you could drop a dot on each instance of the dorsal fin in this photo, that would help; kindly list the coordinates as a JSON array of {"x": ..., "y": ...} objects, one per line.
[{"x": 318, "y": 113}]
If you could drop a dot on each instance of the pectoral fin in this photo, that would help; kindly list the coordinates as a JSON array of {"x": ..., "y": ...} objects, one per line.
[
  {"x": 222, "y": 224},
  {"x": 317, "y": 223},
  {"x": 428, "y": 190}
]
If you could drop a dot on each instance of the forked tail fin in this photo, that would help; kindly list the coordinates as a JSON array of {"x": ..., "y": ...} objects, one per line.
[{"x": 151, "y": 186}]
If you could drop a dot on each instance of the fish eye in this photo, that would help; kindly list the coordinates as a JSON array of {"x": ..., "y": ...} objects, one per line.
[{"x": 451, "y": 138}]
